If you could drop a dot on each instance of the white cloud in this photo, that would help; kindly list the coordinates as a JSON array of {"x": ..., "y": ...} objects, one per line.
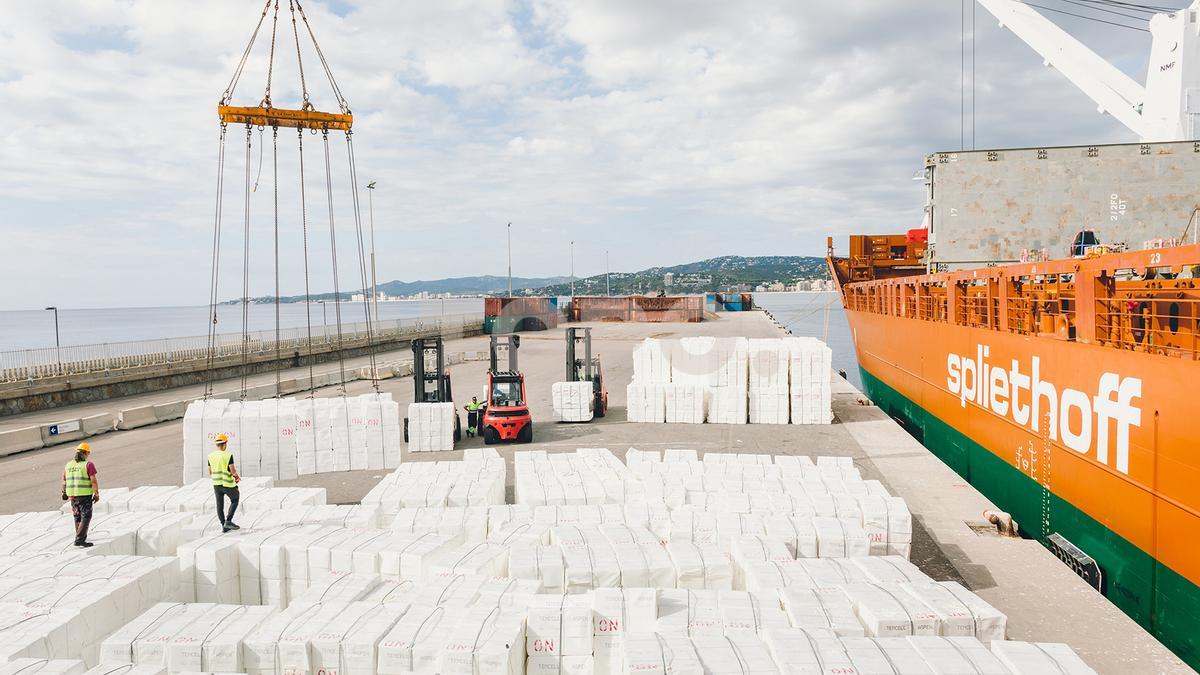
[{"x": 664, "y": 131}]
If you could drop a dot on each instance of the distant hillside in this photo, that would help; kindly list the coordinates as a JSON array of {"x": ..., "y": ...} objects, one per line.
[
  {"x": 714, "y": 274},
  {"x": 482, "y": 285}
]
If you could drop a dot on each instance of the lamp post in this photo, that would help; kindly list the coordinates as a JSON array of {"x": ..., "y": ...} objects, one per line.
[
  {"x": 57, "y": 344},
  {"x": 374, "y": 292},
  {"x": 572, "y": 269},
  {"x": 607, "y": 288},
  {"x": 324, "y": 321},
  {"x": 508, "y": 228}
]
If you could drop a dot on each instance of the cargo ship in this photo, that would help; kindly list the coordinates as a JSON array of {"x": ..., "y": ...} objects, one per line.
[{"x": 1059, "y": 389}]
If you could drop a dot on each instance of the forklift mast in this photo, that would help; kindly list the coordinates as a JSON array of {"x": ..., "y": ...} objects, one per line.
[
  {"x": 580, "y": 369},
  {"x": 429, "y": 371},
  {"x": 509, "y": 345}
]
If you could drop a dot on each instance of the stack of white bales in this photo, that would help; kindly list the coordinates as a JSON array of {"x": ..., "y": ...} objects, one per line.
[
  {"x": 471, "y": 482},
  {"x": 769, "y": 361},
  {"x": 586, "y": 476},
  {"x": 287, "y": 437},
  {"x": 142, "y": 533},
  {"x": 431, "y": 427},
  {"x": 645, "y": 397},
  {"x": 61, "y": 606},
  {"x": 572, "y": 401},
  {"x": 810, "y": 387},
  {"x": 727, "y": 383},
  {"x": 694, "y": 365}
]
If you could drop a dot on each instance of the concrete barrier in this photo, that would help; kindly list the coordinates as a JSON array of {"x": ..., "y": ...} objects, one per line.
[
  {"x": 174, "y": 410},
  {"x": 20, "y": 440},
  {"x": 98, "y": 424},
  {"x": 455, "y": 358},
  {"x": 137, "y": 417},
  {"x": 61, "y": 432},
  {"x": 287, "y": 387}
]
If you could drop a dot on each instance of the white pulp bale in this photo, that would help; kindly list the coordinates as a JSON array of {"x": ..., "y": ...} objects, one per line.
[
  {"x": 645, "y": 402},
  {"x": 572, "y": 401},
  {"x": 430, "y": 427},
  {"x": 685, "y": 404}
]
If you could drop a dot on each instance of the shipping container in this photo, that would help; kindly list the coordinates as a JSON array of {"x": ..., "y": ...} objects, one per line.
[
  {"x": 1000, "y": 206},
  {"x": 645, "y": 309},
  {"x": 511, "y": 315}
]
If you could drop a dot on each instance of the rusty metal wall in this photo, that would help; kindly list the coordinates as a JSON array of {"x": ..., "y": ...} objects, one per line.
[{"x": 986, "y": 206}]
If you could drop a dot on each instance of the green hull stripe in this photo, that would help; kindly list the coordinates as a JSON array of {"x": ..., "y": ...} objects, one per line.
[{"x": 1161, "y": 600}]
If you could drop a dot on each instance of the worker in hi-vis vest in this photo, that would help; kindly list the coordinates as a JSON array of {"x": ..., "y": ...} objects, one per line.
[
  {"x": 225, "y": 480},
  {"x": 81, "y": 488},
  {"x": 472, "y": 409}
]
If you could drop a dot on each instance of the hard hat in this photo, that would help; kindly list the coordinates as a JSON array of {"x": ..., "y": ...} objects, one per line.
[
  {"x": 222, "y": 438},
  {"x": 83, "y": 447}
]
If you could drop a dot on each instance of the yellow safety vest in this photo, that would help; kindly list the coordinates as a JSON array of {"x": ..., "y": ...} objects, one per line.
[
  {"x": 79, "y": 484},
  {"x": 218, "y": 466},
  {"x": 474, "y": 406}
]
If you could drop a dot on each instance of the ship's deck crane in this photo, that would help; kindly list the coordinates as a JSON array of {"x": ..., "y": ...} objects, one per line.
[{"x": 1166, "y": 108}]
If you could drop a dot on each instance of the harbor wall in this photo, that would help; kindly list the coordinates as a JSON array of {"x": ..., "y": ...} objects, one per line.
[{"x": 33, "y": 396}]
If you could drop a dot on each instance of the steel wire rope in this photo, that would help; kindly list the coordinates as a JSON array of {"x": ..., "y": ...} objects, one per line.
[
  {"x": 275, "y": 170},
  {"x": 299, "y": 59},
  {"x": 307, "y": 291},
  {"x": 1103, "y": 8},
  {"x": 362, "y": 260},
  {"x": 237, "y": 72},
  {"x": 266, "y": 102},
  {"x": 246, "y": 270},
  {"x": 337, "y": 92},
  {"x": 1086, "y": 17},
  {"x": 337, "y": 292},
  {"x": 215, "y": 269}
]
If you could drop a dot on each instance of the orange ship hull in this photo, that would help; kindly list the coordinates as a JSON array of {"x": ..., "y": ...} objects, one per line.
[{"x": 1092, "y": 443}]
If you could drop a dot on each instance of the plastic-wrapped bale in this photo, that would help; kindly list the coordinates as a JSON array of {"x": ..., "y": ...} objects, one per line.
[
  {"x": 700, "y": 566},
  {"x": 769, "y": 405},
  {"x": 339, "y": 429},
  {"x": 652, "y": 652},
  {"x": 43, "y": 667},
  {"x": 685, "y": 404},
  {"x": 1040, "y": 657},
  {"x": 821, "y": 608},
  {"x": 652, "y": 362},
  {"x": 201, "y": 422},
  {"x": 728, "y": 405},
  {"x": 558, "y": 633},
  {"x": 430, "y": 427},
  {"x": 810, "y": 388},
  {"x": 617, "y": 612},
  {"x": 738, "y": 654},
  {"x": 887, "y": 610},
  {"x": 123, "y": 669},
  {"x": 572, "y": 401},
  {"x": 768, "y": 365},
  {"x": 645, "y": 402},
  {"x": 804, "y": 650},
  {"x": 213, "y": 641}
]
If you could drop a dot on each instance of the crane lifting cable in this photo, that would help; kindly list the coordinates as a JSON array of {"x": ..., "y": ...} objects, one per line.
[{"x": 304, "y": 118}]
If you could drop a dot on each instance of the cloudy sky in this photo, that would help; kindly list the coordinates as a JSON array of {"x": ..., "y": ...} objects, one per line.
[{"x": 663, "y": 132}]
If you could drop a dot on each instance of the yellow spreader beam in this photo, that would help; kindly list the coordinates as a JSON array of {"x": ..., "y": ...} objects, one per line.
[{"x": 297, "y": 119}]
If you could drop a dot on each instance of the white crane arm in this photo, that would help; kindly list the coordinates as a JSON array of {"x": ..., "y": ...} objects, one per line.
[{"x": 1113, "y": 91}]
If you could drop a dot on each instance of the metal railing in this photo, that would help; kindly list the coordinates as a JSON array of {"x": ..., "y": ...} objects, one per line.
[{"x": 39, "y": 364}]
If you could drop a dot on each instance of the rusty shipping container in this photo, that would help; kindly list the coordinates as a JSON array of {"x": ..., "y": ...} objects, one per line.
[
  {"x": 512, "y": 315},
  {"x": 643, "y": 309}
]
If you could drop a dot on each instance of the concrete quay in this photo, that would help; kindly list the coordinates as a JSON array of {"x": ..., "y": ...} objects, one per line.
[{"x": 1043, "y": 599}]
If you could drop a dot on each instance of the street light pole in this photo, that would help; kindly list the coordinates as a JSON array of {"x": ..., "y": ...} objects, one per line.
[
  {"x": 324, "y": 320},
  {"x": 607, "y": 288},
  {"x": 509, "y": 229},
  {"x": 374, "y": 292},
  {"x": 572, "y": 269},
  {"x": 57, "y": 344}
]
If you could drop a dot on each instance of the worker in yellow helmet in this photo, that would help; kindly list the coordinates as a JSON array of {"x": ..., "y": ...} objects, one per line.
[
  {"x": 225, "y": 480},
  {"x": 79, "y": 485}
]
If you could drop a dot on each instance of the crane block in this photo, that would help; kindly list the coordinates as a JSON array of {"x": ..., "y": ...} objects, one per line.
[{"x": 297, "y": 119}]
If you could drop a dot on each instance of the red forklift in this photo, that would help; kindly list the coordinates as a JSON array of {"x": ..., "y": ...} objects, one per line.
[
  {"x": 586, "y": 368},
  {"x": 431, "y": 378},
  {"x": 505, "y": 415}
]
